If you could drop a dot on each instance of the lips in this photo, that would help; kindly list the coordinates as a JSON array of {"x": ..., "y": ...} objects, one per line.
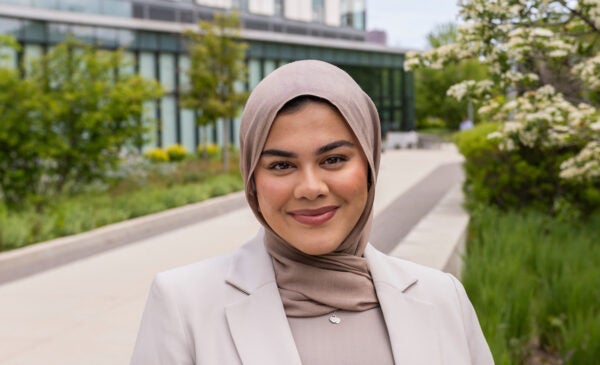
[{"x": 314, "y": 217}]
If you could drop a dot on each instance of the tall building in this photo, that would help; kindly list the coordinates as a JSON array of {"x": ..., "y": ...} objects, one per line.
[{"x": 277, "y": 31}]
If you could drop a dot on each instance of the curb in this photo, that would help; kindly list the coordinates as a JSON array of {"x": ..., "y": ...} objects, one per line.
[
  {"x": 439, "y": 238},
  {"x": 22, "y": 262}
]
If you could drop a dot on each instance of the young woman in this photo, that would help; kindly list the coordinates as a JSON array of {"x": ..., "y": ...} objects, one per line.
[{"x": 309, "y": 288}]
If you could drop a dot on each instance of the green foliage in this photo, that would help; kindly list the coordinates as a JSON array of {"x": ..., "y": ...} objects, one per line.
[
  {"x": 81, "y": 115},
  {"x": 535, "y": 283},
  {"x": 216, "y": 73},
  {"x": 528, "y": 177},
  {"x": 211, "y": 150},
  {"x": 431, "y": 101},
  {"x": 23, "y": 138},
  {"x": 157, "y": 155},
  {"x": 176, "y": 152},
  {"x": 138, "y": 194}
]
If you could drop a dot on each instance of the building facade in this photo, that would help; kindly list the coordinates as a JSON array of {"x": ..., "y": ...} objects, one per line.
[{"x": 277, "y": 31}]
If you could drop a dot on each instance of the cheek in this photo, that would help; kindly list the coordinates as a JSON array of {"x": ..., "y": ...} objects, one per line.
[
  {"x": 353, "y": 184},
  {"x": 271, "y": 193}
]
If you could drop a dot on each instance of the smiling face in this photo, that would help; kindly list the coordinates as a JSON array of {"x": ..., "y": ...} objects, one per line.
[{"x": 311, "y": 179}]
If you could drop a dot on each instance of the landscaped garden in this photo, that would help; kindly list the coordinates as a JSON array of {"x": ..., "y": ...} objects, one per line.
[{"x": 141, "y": 185}]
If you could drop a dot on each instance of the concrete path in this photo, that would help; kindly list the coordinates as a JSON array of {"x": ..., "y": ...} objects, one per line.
[{"x": 88, "y": 311}]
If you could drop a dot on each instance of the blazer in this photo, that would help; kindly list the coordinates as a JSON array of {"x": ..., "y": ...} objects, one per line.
[{"x": 227, "y": 310}]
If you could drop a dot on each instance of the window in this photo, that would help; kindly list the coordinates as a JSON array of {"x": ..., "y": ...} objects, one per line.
[{"x": 318, "y": 11}]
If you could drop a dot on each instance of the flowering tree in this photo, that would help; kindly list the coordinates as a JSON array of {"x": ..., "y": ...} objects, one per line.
[{"x": 545, "y": 55}]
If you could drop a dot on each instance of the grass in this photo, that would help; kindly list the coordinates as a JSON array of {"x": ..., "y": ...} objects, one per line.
[
  {"x": 140, "y": 188},
  {"x": 535, "y": 283}
]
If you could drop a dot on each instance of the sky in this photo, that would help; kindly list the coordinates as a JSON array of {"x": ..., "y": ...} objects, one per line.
[{"x": 408, "y": 22}]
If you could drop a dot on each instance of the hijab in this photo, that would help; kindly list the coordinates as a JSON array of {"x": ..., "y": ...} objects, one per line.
[{"x": 315, "y": 285}]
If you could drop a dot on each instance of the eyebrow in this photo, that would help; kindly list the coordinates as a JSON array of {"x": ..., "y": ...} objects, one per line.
[{"x": 321, "y": 150}]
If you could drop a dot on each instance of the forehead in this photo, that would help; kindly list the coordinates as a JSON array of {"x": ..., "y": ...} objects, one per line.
[{"x": 313, "y": 122}]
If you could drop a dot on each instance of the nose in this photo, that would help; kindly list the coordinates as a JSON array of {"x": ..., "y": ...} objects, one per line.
[{"x": 310, "y": 185}]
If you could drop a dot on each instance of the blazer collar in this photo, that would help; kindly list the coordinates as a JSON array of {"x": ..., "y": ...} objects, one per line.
[
  {"x": 410, "y": 321},
  {"x": 261, "y": 332},
  {"x": 258, "y": 323}
]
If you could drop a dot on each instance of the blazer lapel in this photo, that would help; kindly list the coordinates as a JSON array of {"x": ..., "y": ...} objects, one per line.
[
  {"x": 410, "y": 322},
  {"x": 258, "y": 323}
]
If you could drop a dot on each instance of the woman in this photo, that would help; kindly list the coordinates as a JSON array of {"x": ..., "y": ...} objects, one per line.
[{"x": 309, "y": 288}]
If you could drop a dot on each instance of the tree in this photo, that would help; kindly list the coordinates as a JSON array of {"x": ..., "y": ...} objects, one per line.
[
  {"x": 74, "y": 115},
  {"x": 431, "y": 101},
  {"x": 22, "y": 131},
  {"x": 216, "y": 74},
  {"x": 545, "y": 56}
]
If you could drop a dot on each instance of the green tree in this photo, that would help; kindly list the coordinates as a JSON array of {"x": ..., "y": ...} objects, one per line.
[
  {"x": 22, "y": 134},
  {"x": 217, "y": 73},
  {"x": 431, "y": 102},
  {"x": 67, "y": 123}
]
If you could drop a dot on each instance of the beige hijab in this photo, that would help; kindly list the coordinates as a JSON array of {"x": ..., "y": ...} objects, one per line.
[{"x": 315, "y": 285}]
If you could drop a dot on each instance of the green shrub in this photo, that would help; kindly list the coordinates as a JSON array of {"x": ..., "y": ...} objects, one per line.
[
  {"x": 534, "y": 281},
  {"x": 518, "y": 178},
  {"x": 157, "y": 155},
  {"x": 75, "y": 214},
  {"x": 211, "y": 150},
  {"x": 176, "y": 152}
]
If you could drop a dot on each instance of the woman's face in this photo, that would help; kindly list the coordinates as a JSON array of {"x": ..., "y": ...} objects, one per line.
[{"x": 311, "y": 179}]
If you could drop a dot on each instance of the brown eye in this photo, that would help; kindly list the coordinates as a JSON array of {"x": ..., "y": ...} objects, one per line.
[
  {"x": 334, "y": 160},
  {"x": 279, "y": 166}
]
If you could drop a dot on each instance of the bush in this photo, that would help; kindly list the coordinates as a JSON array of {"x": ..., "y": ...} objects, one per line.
[
  {"x": 176, "y": 152},
  {"x": 157, "y": 155},
  {"x": 211, "y": 150},
  {"x": 524, "y": 177},
  {"x": 535, "y": 283}
]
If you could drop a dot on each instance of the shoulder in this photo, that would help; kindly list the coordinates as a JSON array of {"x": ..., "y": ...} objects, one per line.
[{"x": 418, "y": 281}]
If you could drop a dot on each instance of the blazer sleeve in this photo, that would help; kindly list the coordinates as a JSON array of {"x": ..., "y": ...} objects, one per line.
[
  {"x": 479, "y": 350},
  {"x": 162, "y": 337}
]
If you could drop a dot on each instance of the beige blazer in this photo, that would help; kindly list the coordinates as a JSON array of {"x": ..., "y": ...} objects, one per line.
[{"x": 227, "y": 310}]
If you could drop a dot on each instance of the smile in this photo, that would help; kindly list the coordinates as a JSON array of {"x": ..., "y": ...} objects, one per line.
[{"x": 314, "y": 217}]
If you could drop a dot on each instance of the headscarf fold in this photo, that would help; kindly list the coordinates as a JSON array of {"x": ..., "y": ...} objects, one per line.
[{"x": 315, "y": 285}]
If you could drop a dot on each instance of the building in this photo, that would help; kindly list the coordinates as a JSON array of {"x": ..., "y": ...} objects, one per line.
[{"x": 277, "y": 31}]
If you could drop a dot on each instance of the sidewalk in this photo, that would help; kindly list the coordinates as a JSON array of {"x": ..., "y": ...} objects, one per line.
[{"x": 88, "y": 311}]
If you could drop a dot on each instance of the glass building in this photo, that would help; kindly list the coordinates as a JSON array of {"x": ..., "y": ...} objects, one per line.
[{"x": 277, "y": 32}]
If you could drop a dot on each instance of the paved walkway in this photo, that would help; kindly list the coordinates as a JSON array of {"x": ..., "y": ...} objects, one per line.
[{"x": 88, "y": 311}]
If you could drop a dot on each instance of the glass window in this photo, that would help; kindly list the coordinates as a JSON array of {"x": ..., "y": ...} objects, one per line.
[
  {"x": 125, "y": 37},
  {"x": 167, "y": 71},
  {"x": 188, "y": 127},
  {"x": 318, "y": 11},
  {"x": 168, "y": 120},
  {"x": 254, "y": 73},
  {"x": 169, "y": 42},
  {"x": 8, "y": 57},
  {"x": 128, "y": 64},
  {"x": 17, "y": 2},
  {"x": 240, "y": 4},
  {"x": 107, "y": 37},
  {"x": 57, "y": 32},
  {"x": 149, "y": 117},
  {"x": 279, "y": 7},
  {"x": 31, "y": 52},
  {"x": 10, "y": 26},
  {"x": 116, "y": 8},
  {"x": 147, "y": 65},
  {"x": 85, "y": 34},
  {"x": 45, "y": 4},
  {"x": 184, "y": 66},
  {"x": 80, "y": 6},
  {"x": 147, "y": 40},
  {"x": 269, "y": 66},
  {"x": 34, "y": 31}
]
